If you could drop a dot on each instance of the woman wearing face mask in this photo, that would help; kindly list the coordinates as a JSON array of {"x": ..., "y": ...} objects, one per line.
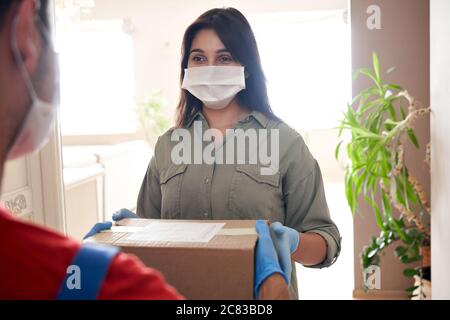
[
  {"x": 223, "y": 87},
  {"x": 35, "y": 262}
]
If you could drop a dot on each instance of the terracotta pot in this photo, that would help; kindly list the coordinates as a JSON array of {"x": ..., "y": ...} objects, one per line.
[{"x": 426, "y": 256}]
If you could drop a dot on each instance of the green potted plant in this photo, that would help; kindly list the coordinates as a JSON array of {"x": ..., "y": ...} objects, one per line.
[
  {"x": 379, "y": 123},
  {"x": 150, "y": 113}
]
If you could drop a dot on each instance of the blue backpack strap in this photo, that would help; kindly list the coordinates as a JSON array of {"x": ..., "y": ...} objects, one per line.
[{"x": 92, "y": 262}]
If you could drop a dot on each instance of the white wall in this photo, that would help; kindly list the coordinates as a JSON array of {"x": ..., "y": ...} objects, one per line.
[{"x": 440, "y": 147}]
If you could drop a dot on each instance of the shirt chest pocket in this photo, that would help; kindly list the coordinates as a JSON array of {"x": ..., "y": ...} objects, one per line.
[
  {"x": 255, "y": 196},
  {"x": 170, "y": 181}
]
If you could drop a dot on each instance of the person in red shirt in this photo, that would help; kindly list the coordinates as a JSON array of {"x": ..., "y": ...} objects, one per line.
[{"x": 34, "y": 260}]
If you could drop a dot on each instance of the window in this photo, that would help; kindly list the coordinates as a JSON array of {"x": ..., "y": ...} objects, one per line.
[{"x": 97, "y": 78}]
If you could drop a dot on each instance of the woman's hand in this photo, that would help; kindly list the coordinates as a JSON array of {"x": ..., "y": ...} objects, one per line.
[
  {"x": 117, "y": 216},
  {"x": 123, "y": 214},
  {"x": 267, "y": 266},
  {"x": 286, "y": 241},
  {"x": 312, "y": 251}
]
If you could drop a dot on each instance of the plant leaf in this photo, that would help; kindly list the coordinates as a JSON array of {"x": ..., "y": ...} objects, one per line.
[
  {"x": 391, "y": 69},
  {"x": 400, "y": 251},
  {"x": 372, "y": 253},
  {"x": 376, "y": 210},
  {"x": 338, "y": 147},
  {"x": 376, "y": 67},
  {"x": 410, "y": 272},
  {"x": 412, "y": 289},
  {"x": 412, "y": 137}
]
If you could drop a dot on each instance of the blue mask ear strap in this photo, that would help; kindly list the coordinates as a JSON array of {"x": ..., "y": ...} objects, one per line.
[{"x": 92, "y": 264}]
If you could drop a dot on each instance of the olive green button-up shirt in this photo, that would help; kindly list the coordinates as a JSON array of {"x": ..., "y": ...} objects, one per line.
[{"x": 293, "y": 195}]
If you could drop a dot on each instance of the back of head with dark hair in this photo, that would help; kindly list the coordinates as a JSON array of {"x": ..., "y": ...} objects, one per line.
[
  {"x": 6, "y": 4},
  {"x": 236, "y": 34}
]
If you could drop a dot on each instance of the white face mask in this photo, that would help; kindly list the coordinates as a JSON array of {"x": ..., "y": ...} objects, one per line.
[
  {"x": 215, "y": 86},
  {"x": 35, "y": 129}
]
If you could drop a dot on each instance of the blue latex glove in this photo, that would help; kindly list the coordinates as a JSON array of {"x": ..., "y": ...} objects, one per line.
[
  {"x": 286, "y": 241},
  {"x": 266, "y": 260},
  {"x": 100, "y": 226},
  {"x": 123, "y": 214},
  {"x": 117, "y": 216}
]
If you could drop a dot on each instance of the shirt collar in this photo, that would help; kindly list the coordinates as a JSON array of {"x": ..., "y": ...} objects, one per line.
[
  {"x": 261, "y": 118},
  {"x": 197, "y": 115}
]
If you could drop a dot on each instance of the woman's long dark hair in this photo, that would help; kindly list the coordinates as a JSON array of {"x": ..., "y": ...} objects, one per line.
[{"x": 236, "y": 34}]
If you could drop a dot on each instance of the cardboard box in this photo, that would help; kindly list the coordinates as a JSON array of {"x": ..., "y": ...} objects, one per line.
[{"x": 221, "y": 268}]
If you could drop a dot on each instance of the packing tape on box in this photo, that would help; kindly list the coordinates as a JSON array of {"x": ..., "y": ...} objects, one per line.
[
  {"x": 236, "y": 232},
  {"x": 221, "y": 232},
  {"x": 126, "y": 229}
]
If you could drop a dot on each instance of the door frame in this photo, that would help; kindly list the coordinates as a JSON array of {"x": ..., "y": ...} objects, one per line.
[{"x": 51, "y": 164}]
